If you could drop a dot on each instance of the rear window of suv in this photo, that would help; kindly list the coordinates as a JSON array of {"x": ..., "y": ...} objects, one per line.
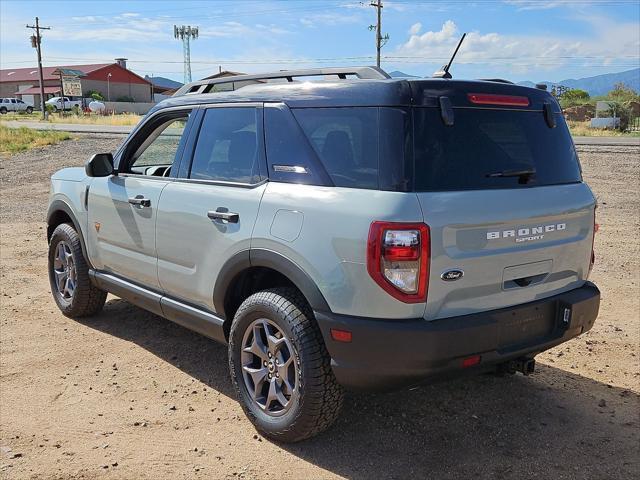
[{"x": 482, "y": 143}]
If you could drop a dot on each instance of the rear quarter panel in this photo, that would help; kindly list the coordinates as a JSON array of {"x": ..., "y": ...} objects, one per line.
[{"x": 324, "y": 230}]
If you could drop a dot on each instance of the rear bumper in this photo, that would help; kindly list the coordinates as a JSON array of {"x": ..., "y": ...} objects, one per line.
[{"x": 387, "y": 354}]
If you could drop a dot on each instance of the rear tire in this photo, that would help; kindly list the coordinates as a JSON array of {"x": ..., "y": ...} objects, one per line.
[
  {"x": 296, "y": 352},
  {"x": 29, "y": 110},
  {"x": 3, "y": 110},
  {"x": 71, "y": 287}
]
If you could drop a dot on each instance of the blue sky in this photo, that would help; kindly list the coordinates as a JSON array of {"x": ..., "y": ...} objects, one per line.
[{"x": 514, "y": 39}]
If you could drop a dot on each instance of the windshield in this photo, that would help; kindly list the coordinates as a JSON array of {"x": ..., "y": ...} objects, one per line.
[{"x": 486, "y": 149}]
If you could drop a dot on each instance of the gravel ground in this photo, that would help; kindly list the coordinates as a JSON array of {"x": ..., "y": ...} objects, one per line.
[{"x": 127, "y": 394}]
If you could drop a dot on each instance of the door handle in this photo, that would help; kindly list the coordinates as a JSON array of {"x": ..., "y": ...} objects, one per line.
[
  {"x": 223, "y": 215},
  {"x": 140, "y": 201}
]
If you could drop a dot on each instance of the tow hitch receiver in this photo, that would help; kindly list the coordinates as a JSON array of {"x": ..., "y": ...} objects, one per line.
[{"x": 526, "y": 366}]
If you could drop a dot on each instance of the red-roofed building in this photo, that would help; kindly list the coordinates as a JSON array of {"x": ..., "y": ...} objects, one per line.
[{"x": 112, "y": 80}]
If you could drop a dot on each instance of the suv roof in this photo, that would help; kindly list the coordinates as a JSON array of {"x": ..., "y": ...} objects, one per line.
[{"x": 372, "y": 88}]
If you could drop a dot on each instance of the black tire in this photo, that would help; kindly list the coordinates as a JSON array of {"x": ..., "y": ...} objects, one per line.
[
  {"x": 29, "y": 110},
  {"x": 86, "y": 298},
  {"x": 319, "y": 397},
  {"x": 3, "y": 110}
]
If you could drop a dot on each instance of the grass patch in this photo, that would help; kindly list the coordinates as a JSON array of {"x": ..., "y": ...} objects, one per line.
[
  {"x": 582, "y": 129},
  {"x": 13, "y": 140},
  {"x": 26, "y": 117},
  {"x": 120, "y": 119}
]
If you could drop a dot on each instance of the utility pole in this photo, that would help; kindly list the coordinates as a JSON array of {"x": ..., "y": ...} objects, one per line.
[
  {"x": 381, "y": 40},
  {"x": 186, "y": 33},
  {"x": 36, "y": 42}
]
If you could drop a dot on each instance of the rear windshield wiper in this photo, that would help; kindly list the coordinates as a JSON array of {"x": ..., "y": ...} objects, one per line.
[{"x": 523, "y": 175}]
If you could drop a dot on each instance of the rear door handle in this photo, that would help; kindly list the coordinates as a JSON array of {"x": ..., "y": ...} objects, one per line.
[
  {"x": 140, "y": 201},
  {"x": 223, "y": 215}
]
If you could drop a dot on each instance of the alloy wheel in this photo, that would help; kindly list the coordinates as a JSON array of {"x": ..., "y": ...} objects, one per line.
[
  {"x": 269, "y": 367},
  {"x": 64, "y": 270}
]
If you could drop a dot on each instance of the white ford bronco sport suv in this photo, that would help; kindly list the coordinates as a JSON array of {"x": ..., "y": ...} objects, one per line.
[{"x": 358, "y": 232}]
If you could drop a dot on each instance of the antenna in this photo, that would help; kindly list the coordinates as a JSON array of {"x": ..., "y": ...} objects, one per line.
[
  {"x": 444, "y": 73},
  {"x": 186, "y": 33}
]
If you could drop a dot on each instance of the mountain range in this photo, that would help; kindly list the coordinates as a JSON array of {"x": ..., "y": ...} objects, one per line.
[{"x": 597, "y": 85}]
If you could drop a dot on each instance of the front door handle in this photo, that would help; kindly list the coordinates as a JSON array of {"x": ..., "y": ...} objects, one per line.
[
  {"x": 223, "y": 215},
  {"x": 140, "y": 201}
]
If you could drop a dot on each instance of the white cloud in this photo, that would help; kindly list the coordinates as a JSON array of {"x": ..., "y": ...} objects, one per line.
[
  {"x": 544, "y": 5},
  {"x": 330, "y": 19},
  {"x": 415, "y": 28},
  {"x": 86, "y": 18},
  {"x": 608, "y": 44}
]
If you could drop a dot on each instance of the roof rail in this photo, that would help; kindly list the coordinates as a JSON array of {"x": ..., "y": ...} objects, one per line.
[
  {"x": 498, "y": 80},
  {"x": 205, "y": 86}
]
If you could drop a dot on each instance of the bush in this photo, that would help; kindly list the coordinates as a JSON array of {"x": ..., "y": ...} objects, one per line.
[
  {"x": 125, "y": 98},
  {"x": 573, "y": 97},
  {"x": 622, "y": 93},
  {"x": 621, "y": 100},
  {"x": 95, "y": 95},
  {"x": 620, "y": 110}
]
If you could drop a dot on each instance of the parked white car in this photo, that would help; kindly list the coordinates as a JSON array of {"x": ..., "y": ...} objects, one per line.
[
  {"x": 14, "y": 105},
  {"x": 58, "y": 104}
]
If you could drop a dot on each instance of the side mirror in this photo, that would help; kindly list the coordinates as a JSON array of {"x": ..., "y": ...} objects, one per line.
[{"x": 100, "y": 165}]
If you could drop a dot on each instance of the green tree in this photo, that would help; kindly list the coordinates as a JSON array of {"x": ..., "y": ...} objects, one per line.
[
  {"x": 95, "y": 95},
  {"x": 623, "y": 93},
  {"x": 620, "y": 101},
  {"x": 573, "y": 97}
]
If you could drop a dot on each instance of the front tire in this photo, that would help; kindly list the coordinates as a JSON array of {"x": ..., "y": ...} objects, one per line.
[
  {"x": 3, "y": 110},
  {"x": 280, "y": 367},
  {"x": 29, "y": 110},
  {"x": 71, "y": 287}
]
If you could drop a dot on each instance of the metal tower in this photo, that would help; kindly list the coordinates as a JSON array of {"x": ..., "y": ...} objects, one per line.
[{"x": 186, "y": 33}]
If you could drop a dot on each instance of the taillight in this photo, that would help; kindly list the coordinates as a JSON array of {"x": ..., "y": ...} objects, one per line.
[
  {"x": 398, "y": 257},
  {"x": 493, "y": 99}
]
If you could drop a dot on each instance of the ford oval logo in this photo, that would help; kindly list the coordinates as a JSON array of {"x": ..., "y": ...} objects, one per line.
[{"x": 452, "y": 275}]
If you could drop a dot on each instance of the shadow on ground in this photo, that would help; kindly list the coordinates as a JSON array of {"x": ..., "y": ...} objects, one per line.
[{"x": 553, "y": 424}]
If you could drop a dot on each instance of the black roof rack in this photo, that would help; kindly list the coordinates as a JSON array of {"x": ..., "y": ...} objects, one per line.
[{"x": 205, "y": 86}]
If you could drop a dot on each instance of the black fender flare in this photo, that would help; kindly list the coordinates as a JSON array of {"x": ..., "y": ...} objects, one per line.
[
  {"x": 260, "y": 257},
  {"x": 61, "y": 206}
]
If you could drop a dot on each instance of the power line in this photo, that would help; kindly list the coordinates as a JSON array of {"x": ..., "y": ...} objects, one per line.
[{"x": 559, "y": 60}]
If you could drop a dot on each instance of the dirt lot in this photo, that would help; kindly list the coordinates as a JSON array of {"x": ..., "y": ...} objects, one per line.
[{"x": 129, "y": 395}]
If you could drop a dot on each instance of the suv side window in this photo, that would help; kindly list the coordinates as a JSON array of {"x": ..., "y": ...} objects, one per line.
[
  {"x": 228, "y": 147},
  {"x": 290, "y": 157},
  {"x": 156, "y": 149},
  {"x": 346, "y": 140}
]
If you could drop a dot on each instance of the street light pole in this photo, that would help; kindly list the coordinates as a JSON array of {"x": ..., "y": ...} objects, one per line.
[{"x": 108, "y": 88}]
